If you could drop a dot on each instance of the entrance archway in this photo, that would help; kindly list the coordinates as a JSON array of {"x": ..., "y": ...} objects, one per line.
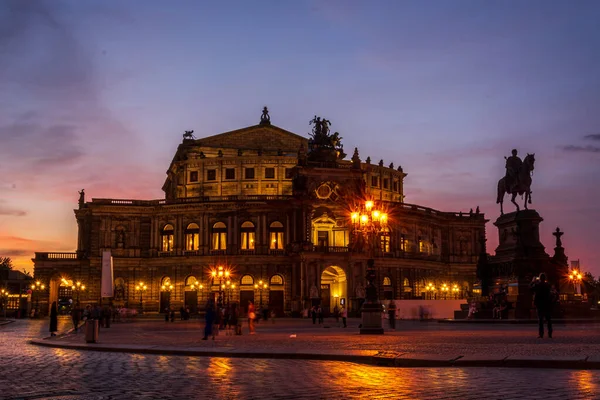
[{"x": 334, "y": 288}]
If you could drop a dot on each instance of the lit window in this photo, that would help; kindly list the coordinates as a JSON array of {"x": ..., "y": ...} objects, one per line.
[
  {"x": 385, "y": 240},
  {"x": 276, "y": 235},
  {"x": 219, "y": 236},
  {"x": 167, "y": 235},
  {"x": 247, "y": 280},
  {"x": 248, "y": 235},
  {"x": 276, "y": 280},
  {"x": 192, "y": 237}
]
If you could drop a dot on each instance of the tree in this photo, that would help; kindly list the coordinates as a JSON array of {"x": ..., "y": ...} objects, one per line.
[{"x": 6, "y": 263}]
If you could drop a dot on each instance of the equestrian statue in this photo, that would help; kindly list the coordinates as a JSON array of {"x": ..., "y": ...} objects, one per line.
[{"x": 517, "y": 179}]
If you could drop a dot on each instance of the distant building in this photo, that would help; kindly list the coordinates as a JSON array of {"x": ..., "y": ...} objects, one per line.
[
  {"x": 270, "y": 206},
  {"x": 17, "y": 284}
]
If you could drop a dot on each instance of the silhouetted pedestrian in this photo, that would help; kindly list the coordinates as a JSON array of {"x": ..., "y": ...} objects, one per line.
[
  {"x": 209, "y": 319},
  {"x": 544, "y": 301},
  {"x": 53, "y": 319},
  {"x": 392, "y": 314}
]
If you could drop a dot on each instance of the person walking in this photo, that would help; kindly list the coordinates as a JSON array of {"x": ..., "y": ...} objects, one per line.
[
  {"x": 251, "y": 317},
  {"x": 392, "y": 315},
  {"x": 209, "y": 319},
  {"x": 167, "y": 313},
  {"x": 313, "y": 314},
  {"x": 53, "y": 319},
  {"x": 344, "y": 315},
  {"x": 544, "y": 301},
  {"x": 76, "y": 316}
]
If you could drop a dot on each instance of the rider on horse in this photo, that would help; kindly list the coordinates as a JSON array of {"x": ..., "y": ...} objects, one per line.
[{"x": 513, "y": 164}]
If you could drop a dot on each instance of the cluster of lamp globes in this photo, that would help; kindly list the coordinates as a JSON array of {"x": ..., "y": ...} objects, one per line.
[
  {"x": 444, "y": 288},
  {"x": 575, "y": 276},
  {"x": 363, "y": 218}
]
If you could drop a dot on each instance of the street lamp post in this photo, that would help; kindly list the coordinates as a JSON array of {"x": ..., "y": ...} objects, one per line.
[
  {"x": 198, "y": 287},
  {"x": 167, "y": 289},
  {"x": 575, "y": 277},
  {"x": 37, "y": 287},
  {"x": 4, "y": 300},
  {"x": 369, "y": 222},
  {"x": 77, "y": 288},
  {"x": 141, "y": 288},
  {"x": 220, "y": 273},
  {"x": 430, "y": 289},
  {"x": 229, "y": 287},
  {"x": 260, "y": 286},
  {"x": 445, "y": 291},
  {"x": 455, "y": 290}
]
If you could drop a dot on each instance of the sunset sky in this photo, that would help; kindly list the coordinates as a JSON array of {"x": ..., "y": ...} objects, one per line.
[{"x": 96, "y": 95}]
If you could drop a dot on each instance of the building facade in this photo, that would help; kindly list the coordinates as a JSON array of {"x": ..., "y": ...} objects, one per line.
[{"x": 273, "y": 209}]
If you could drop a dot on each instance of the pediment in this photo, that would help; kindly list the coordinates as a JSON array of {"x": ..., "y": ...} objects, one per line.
[{"x": 268, "y": 137}]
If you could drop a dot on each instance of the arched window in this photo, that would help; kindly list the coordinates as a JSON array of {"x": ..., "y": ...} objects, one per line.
[
  {"x": 388, "y": 290},
  {"x": 165, "y": 281},
  {"x": 167, "y": 234},
  {"x": 385, "y": 240},
  {"x": 407, "y": 287},
  {"x": 247, "y": 280},
  {"x": 219, "y": 236},
  {"x": 248, "y": 233},
  {"x": 192, "y": 237},
  {"x": 276, "y": 280},
  {"x": 276, "y": 235},
  {"x": 190, "y": 280}
]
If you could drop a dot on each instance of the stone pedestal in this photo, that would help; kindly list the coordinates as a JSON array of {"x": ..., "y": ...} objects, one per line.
[
  {"x": 519, "y": 236},
  {"x": 372, "y": 323}
]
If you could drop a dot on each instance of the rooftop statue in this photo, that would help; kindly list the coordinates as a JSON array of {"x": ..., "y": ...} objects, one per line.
[
  {"x": 322, "y": 145},
  {"x": 265, "y": 118},
  {"x": 188, "y": 135},
  {"x": 517, "y": 179}
]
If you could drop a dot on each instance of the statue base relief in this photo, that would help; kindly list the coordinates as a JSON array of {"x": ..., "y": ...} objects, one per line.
[{"x": 372, "y": 323}]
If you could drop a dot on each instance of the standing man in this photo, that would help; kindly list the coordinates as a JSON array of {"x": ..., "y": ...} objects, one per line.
[
  {"x": 543, "y": 300},
  {"x": 76, "y": 316},
  {"x": 392, "y": 314}
]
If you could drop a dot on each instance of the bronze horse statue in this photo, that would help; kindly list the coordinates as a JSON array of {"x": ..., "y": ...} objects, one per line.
[{"x": 522, "y": 186}]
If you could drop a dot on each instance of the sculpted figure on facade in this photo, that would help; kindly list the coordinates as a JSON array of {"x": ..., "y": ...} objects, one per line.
[
  {"x": 360, "y": 291},
  {"x": 81, "y": 198},
  {"x": 314, "y": 292}
]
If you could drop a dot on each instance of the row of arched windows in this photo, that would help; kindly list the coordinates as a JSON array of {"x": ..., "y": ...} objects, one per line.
[{"x": 219, "y": 236}]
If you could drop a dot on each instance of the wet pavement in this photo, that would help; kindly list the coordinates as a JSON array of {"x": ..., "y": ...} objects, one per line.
[{"x": 33, "y": 372}]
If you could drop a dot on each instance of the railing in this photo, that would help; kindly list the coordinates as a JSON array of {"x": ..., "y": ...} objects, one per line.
[
  {"x": 187, "y": 200},
  {"x": 192, "y": 253},
  {"x": 247, "y": 252},
  {"x": 277, "y": 252},
  {"x": 55, "y": 256},
  {"x": 166, "y": 253}
]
